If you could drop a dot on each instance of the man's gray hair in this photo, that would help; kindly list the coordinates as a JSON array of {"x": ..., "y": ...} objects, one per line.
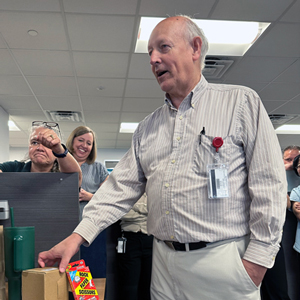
[{"x": 193, "y": 30}]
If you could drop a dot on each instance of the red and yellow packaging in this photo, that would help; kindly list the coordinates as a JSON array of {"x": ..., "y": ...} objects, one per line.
[{"x": 81, "y": 281}]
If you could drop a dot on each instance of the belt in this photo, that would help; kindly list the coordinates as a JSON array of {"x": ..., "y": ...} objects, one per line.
[{"x": 185, "y": 246}]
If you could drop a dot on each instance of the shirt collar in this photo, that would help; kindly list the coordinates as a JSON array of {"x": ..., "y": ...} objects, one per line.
[{"x": 191, "y": 97}]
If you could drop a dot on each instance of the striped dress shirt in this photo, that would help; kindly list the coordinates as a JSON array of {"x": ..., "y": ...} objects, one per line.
[{"x": 168, "y": 160}]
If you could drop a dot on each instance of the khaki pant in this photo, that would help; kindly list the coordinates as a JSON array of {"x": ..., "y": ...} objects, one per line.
[{"x": 212, "y": 273}]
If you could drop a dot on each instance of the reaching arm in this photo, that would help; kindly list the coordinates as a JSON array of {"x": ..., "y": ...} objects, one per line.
[{"x": 61, "y": 253}]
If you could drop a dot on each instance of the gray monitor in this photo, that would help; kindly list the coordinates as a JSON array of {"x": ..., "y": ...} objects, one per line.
[{"x": 47, "y": 201}]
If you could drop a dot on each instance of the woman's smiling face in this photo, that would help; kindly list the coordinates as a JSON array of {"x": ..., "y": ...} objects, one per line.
[{"x": 83, "y": 146}]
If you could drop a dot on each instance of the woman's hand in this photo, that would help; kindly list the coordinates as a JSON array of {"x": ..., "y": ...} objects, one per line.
[{"x": 84, "y": 195}]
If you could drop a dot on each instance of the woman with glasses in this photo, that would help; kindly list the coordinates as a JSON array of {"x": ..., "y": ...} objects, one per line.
[
  {"x": 46, "y": 153},
  {"x": 82, "y": 145}
]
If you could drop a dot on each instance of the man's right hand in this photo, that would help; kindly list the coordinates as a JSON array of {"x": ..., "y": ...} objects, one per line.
[{"x": 61, "y": 253}]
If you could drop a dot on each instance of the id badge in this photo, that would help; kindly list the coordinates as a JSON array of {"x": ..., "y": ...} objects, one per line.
[
  {"x": 121, "y": 247},
  {"x": 218, "y": 184}
]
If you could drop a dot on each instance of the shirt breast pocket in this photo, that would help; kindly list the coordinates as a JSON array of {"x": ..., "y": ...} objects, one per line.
[{"x": 205, "y": 153}]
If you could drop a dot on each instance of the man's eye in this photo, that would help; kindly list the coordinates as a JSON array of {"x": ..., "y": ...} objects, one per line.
[
  {"x": 165, "y": 47},
  {"x": 34, "y": 143}
]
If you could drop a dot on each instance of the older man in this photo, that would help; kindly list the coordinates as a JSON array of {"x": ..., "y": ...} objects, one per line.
[{"x": 211, "y": 165}]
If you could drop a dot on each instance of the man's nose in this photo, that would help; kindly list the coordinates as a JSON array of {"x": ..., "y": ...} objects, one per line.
[{"x": 154, "y": 58}]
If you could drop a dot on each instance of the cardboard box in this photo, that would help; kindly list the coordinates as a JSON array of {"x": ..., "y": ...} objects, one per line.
[
  {"x": 100, "y": 286},
  {"x": 44, "y": 284}
]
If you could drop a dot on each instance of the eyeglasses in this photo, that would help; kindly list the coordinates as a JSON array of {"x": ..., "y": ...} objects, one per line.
[{"x": 51, "y": 125}]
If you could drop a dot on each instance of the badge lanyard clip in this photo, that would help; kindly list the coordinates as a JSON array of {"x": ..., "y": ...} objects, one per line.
[{"x": 218, "y": 185}]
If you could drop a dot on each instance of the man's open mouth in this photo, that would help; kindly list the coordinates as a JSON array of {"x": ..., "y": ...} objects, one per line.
[{"x": 159, "y": 74}]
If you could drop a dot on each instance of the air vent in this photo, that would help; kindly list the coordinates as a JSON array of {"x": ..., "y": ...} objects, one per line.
[
  {"x": 216, "y": 67},
  {"x": 280, "y": 119},
  {"x": 69, "y": 116}
]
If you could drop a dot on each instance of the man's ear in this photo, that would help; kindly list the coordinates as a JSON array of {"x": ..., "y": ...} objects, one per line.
[{"x": 197, "y": 44}]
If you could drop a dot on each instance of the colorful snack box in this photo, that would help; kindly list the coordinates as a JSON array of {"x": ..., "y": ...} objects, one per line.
[{"x": 81, "y": 281}]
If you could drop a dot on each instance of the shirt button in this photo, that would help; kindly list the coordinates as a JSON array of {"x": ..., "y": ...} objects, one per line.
[
  {"x": 167, "y": 212},
  {"x": 173, "y": 161},
  {"x": 172, "y": 237},
  {"x": 180, "y": 118},
  {"x": 193, "y": 105},
  {"x": 178, "y": 139},
  {"x": 167, "y": 185}
]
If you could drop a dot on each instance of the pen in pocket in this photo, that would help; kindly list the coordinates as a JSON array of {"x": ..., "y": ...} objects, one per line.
[{"x": 201, "y": 133}]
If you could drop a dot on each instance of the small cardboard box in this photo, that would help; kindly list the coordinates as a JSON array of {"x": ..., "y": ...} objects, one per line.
[{"x": 44, "y": 284}]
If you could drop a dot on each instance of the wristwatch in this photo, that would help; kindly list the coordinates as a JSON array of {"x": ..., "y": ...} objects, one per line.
[{"x": 61, "y": 154}]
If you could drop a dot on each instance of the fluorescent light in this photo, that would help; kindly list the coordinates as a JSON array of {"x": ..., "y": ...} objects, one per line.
[
  {"x": 288, "y": 129},
  {"x": 128, "y": 127},
  {"x": 224, "y": 37},
  {"x": 12, "y": 126}
]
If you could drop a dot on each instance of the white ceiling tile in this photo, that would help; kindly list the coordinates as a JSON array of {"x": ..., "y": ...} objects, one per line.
[
  {"x": 100, "y": 136},
  {"x": 271, "y": 106},
  {"x": 13, "y": 85},
  {"x": 125, "y": 136},
  {"x": 24, "y": 118},
  {"x": 147, "y": 105},
  {"x": 7, "y": 64},
  {"x": 101, "y": 103},
  {"x": 102, "y": 127},
  {"x": 292, "y": 74},
  {"x": 249, "y": 10},
  {"x": 70, "y": 103},
  {"x": 283, "y": 41},
  {"x": 103, "y": 117},
  {"x": 259, "y": 68},
  {"x": 142, "y": 88},
  {"x": 69, "y": 126},
  {"x": 289, "y": 108},
  {"x": 133, "y": 117},
  {"x": 9, "y": 102},
  {"x": 30, "y": 5},
  {"x": 96, "y": 64},
  {"x": 53, "y": 86},
  {"x": 140, "y": 66},
  {"x": 100, "y": 33},
  {"x": 42, "y": 62},
  {"x": 112, "y": 87},
  {"x": 280, "y": 91},
  {"x": 256, "y": 86},
  {"x": 114, "y": 7},
  {"x": 50, "y": 28},
  {"x": 292, "y": 15},
  {"x": 174, "y": 7}
]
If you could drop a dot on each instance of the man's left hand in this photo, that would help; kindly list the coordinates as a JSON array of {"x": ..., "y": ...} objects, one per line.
[{"x": 256, "y": 272}]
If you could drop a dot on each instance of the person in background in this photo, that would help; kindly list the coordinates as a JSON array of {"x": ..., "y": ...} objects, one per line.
[
  {"x": 210, "y": 241},
  {"x": 290, "y": 226},
  {"x": 295, "y": 207},
  {"x": 82, "y": 145},
  {"x": 135, "y": 258},
  {"x": 275, "y": 285},
  {"x": 46, "y": 152}
]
